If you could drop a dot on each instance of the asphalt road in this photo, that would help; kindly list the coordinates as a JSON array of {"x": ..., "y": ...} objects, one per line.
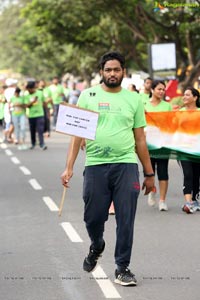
[{"x": 41, "y": 254}]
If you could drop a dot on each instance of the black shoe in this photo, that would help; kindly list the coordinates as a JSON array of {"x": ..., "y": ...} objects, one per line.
[
  {"x": 44, "y": 147},
  {"x": 32, "y": 147},
  {"x": 125, "y": 277},
  {"x": 90, "y": 261}
]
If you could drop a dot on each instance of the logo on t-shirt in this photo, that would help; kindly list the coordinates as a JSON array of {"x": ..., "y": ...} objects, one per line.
[{"x": 104, "y": 106}]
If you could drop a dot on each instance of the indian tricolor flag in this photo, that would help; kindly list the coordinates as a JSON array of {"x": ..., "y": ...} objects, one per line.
[{"x": 174, "y": 134}]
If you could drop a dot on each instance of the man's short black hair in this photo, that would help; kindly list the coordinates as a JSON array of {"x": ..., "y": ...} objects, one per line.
[
  {"x": 148, "y": 78},
  {"x": 111, "y": 56},
  {"x": 17, "y": 90},
  {"x": 31, "y": 85}
]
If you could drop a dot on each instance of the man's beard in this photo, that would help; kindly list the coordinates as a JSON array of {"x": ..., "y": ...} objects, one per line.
[{"x": 112, "y": 84}]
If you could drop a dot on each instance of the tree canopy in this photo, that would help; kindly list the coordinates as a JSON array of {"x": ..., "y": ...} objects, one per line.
[{"x": 42, "y": 38}]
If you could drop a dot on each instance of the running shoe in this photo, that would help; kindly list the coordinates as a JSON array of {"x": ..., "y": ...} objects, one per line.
[
  {"x": 90, "y": 261},
  {"x": 162, "y": 206},
  {"x": 188, "y": 207},
  {"x": 152, "y": 199},
  {"x": 196, "y": 205},
  {"x": 125, "y": 278}
]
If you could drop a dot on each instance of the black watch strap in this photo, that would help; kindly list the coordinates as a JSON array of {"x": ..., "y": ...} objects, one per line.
[{"x": 149, "y": 175}]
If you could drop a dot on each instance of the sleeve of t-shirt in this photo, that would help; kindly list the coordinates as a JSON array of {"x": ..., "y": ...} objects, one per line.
[{"x": 139, "y": 118}]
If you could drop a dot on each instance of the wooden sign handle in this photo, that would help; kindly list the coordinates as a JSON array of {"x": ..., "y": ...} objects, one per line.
[{"x": 62, "y": 201}]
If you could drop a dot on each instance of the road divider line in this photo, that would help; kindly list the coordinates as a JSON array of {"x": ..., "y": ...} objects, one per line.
[
  {"x": 4, "y": 146},
  {"x": 8, "y": 152},
  {"x": 33, "y": 182},
  {"x": 105, "y": 284},
  {"x": 25, "y": 170},
  {"x": 15, "y": 160},
  {"x": 71, "y": 232},
  {"x": 50, "y": 203}
]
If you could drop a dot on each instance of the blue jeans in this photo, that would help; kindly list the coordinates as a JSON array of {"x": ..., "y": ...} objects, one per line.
[
  {"x": 19, "y": 126},
  {"x": 37, "y": 125},
  {"x": 55, "y": 113}
]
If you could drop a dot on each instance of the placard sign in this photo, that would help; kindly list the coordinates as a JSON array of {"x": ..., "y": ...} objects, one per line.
[
  {"x": 162, "y": 61},
  {"x": 76, "y": 121}
]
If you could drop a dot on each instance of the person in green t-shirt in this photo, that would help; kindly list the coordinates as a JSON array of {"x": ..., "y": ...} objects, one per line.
[
  {"x": 111, "y": 169},
  {"x": 157, "y": 104},
  {"x": 145, "y": 93},
  {"x": 2, "y": 102},
  {"x": 18, "y": 111},
  {"x": 35, "y": 103},
  {"x": 48, "y": 104},
  {"x": 191, "y": 169},
  {"x": 66, "y": 90},
  {"x": 57, "y": 94}
]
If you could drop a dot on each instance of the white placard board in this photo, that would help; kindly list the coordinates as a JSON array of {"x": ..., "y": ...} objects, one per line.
[
  {"x": 76, "y": 121},
  {"x": 163, "y": 56}
]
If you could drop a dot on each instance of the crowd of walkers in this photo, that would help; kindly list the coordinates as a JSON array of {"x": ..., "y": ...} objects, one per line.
[
  {"x": 153, "y": 98},
  {"x": 37, "y": 102}
]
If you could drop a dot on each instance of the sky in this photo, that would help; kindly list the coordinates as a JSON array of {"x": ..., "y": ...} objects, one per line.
[{"x": 4, "y": 3}]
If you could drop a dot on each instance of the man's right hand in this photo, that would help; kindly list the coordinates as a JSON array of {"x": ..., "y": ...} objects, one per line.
[{"x": 65, "y": 177}]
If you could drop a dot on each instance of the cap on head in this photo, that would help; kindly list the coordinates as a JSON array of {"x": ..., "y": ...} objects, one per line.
[{"x": 11, "y": 81}]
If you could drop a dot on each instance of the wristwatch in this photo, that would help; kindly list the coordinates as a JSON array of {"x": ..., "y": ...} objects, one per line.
[{"x": 149, "y": 175}]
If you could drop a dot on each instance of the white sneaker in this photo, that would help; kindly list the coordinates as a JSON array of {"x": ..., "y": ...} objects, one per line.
[
  {"x": 152, "y": 199},
  {"x": 162, "y": 206}
]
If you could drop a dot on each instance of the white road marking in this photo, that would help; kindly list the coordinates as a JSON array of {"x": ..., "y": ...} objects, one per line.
[
  {"x": 25, "y": 170},
  {"x": 50, "y": 203},
  {"x": 15, "y": 160},
  {"x": 71, "y": 232},
  {"x": 8, "y": 152},
  {"x": 105, "y": 284},
  {"x": 4, "y": 146},
  {"x": 35, "y": 184}
]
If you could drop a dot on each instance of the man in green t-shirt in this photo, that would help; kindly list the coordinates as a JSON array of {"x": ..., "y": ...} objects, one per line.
[
  {"x": 48, "y": 104},
  {"x": 145, "y": 93},
  {"x": 34, "y": 101},
  {"x": 111, "y": 170},
  {"x": 56, "y": 93}
]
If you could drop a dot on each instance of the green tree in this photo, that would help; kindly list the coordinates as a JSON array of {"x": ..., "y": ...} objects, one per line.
[{"x": 58, "y": 36}]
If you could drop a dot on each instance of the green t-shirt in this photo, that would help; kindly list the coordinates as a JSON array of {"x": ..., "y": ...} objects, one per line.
[
  {"x": 66, "y": 91},
  {"x": 145, "y": 98},
  {"x": 17, "y": 110},
  {"x": 162, "y": 106},
  {"x": 46, "y": 94},
  {"x": 2, "y": 102},
  {"x": 56, "y": 92},
  {"x": 119, "y": 113},
  {"x": 36, "y": 110}
]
